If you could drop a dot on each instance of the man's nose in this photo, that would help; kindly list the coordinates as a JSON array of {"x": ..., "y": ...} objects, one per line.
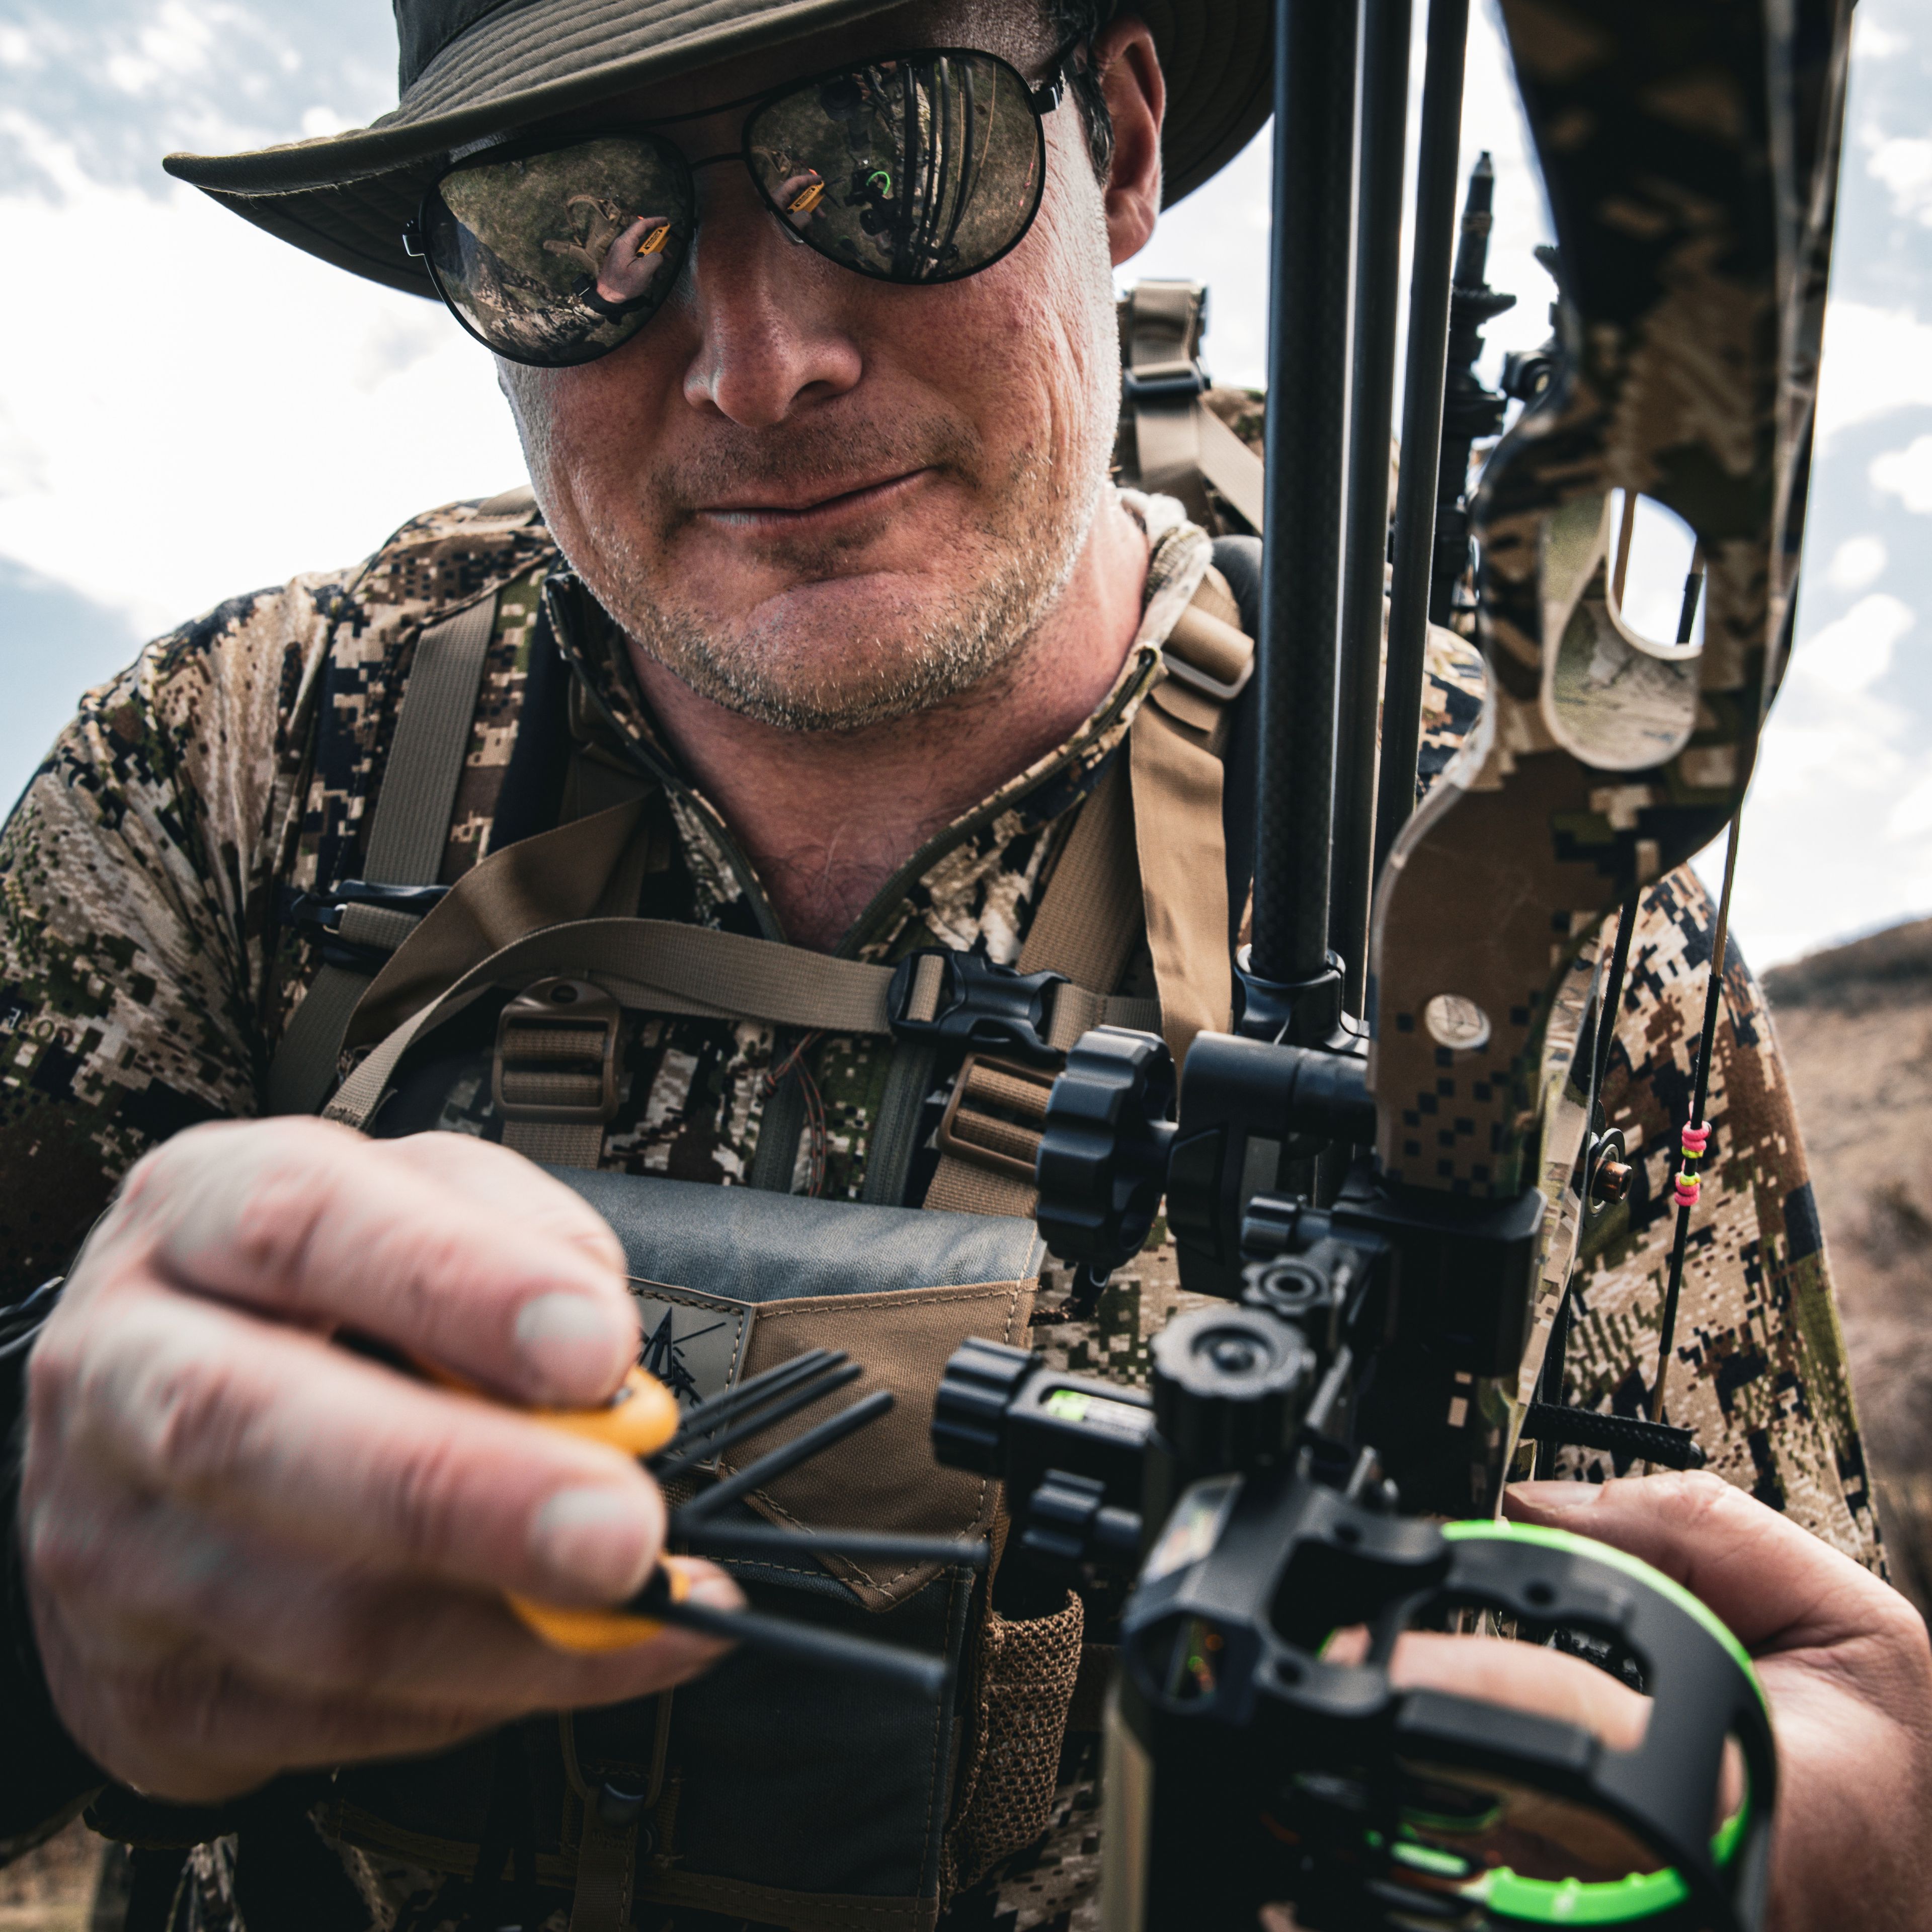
[{"x": 771, "y": 333}]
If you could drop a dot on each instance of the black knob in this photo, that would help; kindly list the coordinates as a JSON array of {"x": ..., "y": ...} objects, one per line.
[
  {"x": 1230, "y": 1386},
  {"x": 969, "y": 1414},
  {"x": 1101, "y": 1167}
]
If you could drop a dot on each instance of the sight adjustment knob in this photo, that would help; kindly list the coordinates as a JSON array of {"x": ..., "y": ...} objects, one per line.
[
  {"x": 1101, "y": 1167},
  {"x": 1230, "y": 1386},
  {"x": 969, "y": 1413}
]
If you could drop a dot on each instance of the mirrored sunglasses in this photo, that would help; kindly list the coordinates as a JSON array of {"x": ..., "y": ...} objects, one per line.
[{"x": 917, "y": 168}]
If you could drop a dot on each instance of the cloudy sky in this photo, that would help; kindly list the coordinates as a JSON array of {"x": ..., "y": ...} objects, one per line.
[{"x": 188, "y": 409}]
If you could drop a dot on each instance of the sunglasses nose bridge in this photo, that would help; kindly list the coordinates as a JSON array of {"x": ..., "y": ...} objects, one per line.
[{"x": 743, "y": 157}]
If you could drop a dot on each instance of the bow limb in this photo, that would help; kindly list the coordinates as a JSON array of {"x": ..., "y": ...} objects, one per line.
[{"x": 1690, "y": 152}]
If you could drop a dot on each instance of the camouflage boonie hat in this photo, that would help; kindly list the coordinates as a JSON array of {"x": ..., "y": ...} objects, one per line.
[{"x": 469, "y": 69}]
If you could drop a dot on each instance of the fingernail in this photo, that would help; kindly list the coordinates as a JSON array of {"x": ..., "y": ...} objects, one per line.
[
  {"x": 1555, "y": 1496},
  {"x": 710, "y": 1587},
  {"x": 595, "y": 1541},
  {"x": 574, "y": 1346}
]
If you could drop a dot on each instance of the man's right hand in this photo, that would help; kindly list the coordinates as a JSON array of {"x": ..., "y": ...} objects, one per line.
[{"x": 247, "y": 1550}]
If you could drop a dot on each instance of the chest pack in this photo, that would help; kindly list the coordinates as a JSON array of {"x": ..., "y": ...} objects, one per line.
[{"x": 771, "y": 1794}]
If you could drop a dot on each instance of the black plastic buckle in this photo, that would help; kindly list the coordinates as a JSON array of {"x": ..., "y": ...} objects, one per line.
[
  {"x": 990, "y": 1008},
  {"x": 1181, "y": 387},
  {"x": 318, "y": 917}
]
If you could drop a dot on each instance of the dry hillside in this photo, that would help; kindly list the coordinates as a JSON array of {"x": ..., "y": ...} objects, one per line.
[{"x": 1855, "y": 1024}]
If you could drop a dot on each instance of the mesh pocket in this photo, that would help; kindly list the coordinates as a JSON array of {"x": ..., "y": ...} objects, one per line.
[{"x": 1017, "y": 1723}]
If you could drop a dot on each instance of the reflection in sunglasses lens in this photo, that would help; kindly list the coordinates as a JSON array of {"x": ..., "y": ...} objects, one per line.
[
  {"x": 559, "y": 257},
  {"x": 919, "y": 170}
]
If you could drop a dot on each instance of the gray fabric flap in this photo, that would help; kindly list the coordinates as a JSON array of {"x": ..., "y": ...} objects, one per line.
[{"x": 749, "y": 1246}]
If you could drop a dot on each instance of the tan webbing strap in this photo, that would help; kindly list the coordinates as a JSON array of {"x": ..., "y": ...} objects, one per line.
[
  {"x": 1229, "y": 463},
  {"x": 411, "y": 823},
  {"x": 1149, "y": 850},
  {"x": 607, "y": 1865},
  {"x": 571, "y": 872},
  {"x": 1085, "y": 928},
  {"x": 1174, "y": 747},
  {"x": 406, "y": 840},
  {"x": 1088, "y": 919},
  {"x": 1089, "y": 916},
  {"x": 658, "y": 966},
  {"x": 1178, "y": 440},
  {"x": 1163, "y": 336}
]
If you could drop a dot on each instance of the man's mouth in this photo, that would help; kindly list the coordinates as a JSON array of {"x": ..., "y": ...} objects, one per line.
[{"x": 780, "y": 512}]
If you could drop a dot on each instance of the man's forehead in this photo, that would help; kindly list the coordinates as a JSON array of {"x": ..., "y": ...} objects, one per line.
[{"x": 1015, "y": 29}]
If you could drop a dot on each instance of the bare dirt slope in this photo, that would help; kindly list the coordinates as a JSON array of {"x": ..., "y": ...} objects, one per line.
[{"x": 1856, "y": 1024}]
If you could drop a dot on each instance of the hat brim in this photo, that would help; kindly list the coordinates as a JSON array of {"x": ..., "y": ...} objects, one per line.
[{"x": 346, "y": 197}]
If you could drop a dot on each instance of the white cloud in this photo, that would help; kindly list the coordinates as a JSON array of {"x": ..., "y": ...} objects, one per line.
[
  {"x": 1876, "y": 360},
  {"x": 1911, "y": 817},
  {"x": 1904, "y": 163},
  {"x": 1856, "y": 563},
  {"x": 1853, "y": 652},
  {"x": 229, "y": 412},
  {"x": 1907, "y": 473},
  {"x": 1872, "y": 42}
]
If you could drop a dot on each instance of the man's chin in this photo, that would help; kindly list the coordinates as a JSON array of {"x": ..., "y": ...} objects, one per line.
[{"x": 842, "y": 696}]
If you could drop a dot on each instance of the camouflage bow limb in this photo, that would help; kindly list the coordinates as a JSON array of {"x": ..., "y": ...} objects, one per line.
[{"x": 1690, "y": 149}]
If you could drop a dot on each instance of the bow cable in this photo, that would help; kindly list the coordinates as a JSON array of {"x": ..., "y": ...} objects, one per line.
[{"x": 1697, "y": 1136}]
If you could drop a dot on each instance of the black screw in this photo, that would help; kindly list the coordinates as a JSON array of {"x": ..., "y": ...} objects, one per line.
[{"x": 1233, "y": 1355}]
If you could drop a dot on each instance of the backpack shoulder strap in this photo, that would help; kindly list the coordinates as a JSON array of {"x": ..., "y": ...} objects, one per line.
[
  {"x": 1179, "y": 445},
  {"x": 401, "y": 857},
  {"x": 1148, "y": 852}
]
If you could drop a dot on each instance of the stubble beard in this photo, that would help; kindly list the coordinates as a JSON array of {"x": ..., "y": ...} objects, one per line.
[{"x": 1013, "y": 563}]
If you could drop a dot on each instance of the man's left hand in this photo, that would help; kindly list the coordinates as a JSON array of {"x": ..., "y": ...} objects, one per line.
[{"x": 1844, "y": 1660}]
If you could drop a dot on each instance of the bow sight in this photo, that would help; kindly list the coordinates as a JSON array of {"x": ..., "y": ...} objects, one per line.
[{"x": 1387, "y": 1210}]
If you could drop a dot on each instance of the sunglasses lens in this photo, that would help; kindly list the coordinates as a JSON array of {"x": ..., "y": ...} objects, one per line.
[
  {"x": 918, "y": 169},
  {"x": 560, "y": 257}
]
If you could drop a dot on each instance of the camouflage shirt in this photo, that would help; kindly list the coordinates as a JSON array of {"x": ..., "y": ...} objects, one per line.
[{"x": 147, "y": 974}]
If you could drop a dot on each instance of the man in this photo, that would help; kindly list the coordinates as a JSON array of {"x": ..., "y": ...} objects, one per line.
[{"x": 831, "y": 596}]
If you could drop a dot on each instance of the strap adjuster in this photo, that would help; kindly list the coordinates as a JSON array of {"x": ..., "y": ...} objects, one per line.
[
  {"x": 557, "y": 1055},
  {"x": 996, "y": 1117},
  {"x": 1225, "y": 691},
  {"x": 1171, "y": 384},
  {"x": 317, "y": 916},
  {"x": 962, "y": 999}
]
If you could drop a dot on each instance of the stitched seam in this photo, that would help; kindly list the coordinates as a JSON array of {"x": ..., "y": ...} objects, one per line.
[{"x": 680, "y": 1298}]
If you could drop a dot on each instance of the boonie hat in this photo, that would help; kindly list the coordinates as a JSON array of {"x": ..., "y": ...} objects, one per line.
[{"x": 471, "y": 68}]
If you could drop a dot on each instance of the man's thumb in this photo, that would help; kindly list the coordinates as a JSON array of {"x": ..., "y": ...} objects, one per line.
[{"x": 1776, "y": 1585}]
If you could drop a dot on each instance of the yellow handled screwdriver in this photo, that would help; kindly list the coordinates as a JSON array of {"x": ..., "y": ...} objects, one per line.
[{"x": 641, "y": 1419}]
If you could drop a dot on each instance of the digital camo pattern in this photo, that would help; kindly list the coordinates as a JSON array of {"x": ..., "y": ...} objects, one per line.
[
  {"x": 144, "y": 981},
  {"x": 1758, "y": 1364}
]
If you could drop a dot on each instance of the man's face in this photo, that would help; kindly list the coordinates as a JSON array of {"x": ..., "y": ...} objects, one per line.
[{"x": 823, "y": 501}]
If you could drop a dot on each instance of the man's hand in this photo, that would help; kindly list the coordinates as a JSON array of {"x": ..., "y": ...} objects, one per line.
[
  {"x": 248, "y": 1550},
  {"x": 1845, "y": 1661},
  {"x": 1844, "y": 1658}
]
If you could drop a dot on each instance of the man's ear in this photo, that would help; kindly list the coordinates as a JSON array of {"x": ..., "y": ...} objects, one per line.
[{"x": 1136, "y": 91}]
